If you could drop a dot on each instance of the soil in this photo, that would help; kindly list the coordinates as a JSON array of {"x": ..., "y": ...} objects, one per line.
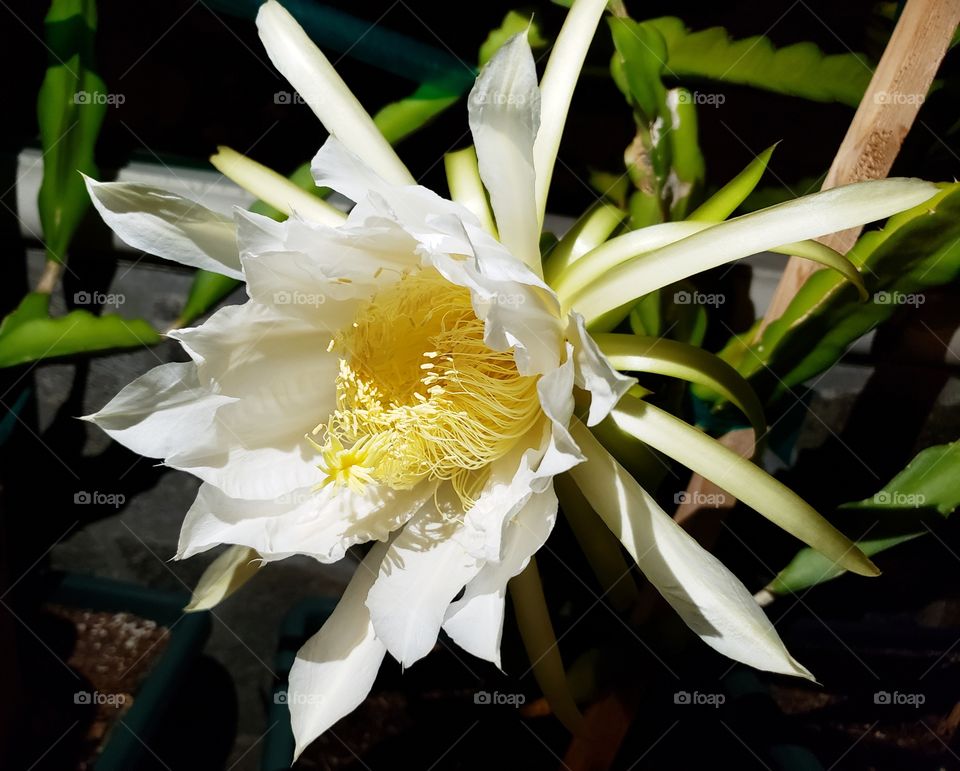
[
  {"x": 454, "y": 713},
  {"x": 111, "y": 654}
]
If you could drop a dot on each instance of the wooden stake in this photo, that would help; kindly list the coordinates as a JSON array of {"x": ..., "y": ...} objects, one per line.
[{"x": 885, "y": 115}]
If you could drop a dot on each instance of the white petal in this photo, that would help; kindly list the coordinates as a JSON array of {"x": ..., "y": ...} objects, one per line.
[
  {"x": 617, "y": 250},
  {"x": 311, "y": 74},
  {"x": 163, "y": 411},
  {"x": 707, "y": 596},
  {"x": 321, "y": 524},
  {"x": 343, "y": 171},
  {"x": 281, "y": 383},
  {"x": 274, "y": 188},
  {"x": 559, "y": 80},
  {"x": 808, "y": 217},
  {"x": 555, "y": 390},
  {"x": 518, "y": 309},
  {"x": 512, "y": 480},
  {"x": 412, "y": 206},
  {"x": 422, "y": 572},
  {"x": 594, "y": 373},
  {"x": 336, "y": 668},
  {"x": 475, "y": 621},
  {"x": 319, "y": 273},
  {"x": 167, "y": 225},
  {"x": 504, "y": 108}
]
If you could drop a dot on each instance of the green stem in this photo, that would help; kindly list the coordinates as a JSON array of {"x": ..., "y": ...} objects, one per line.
[{"x": 536, "y": 630}]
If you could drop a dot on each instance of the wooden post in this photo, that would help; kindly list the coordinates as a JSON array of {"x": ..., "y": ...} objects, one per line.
[{"x": 885, "y": 115}]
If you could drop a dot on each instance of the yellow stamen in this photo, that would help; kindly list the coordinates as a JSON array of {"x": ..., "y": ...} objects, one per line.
[{"x": 401, "y": 419}]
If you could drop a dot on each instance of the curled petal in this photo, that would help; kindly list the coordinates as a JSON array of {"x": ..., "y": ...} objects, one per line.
[
  {"x": 167, "y": 225},
  {"x": 336, "y": 668},
  {"x": 707, "y": 596}
]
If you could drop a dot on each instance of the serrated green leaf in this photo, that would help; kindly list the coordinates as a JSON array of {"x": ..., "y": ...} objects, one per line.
[
  {"x": 29, "y": 333},
  {"x": 800, "y": 69},
  {"x": 642, "y": 54},
  {"x": 71, "y": 105},
  {"x": 926, "y": 490}
]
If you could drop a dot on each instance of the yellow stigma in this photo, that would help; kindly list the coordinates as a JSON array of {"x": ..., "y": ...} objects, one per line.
[{"x": 420, "y": 395}]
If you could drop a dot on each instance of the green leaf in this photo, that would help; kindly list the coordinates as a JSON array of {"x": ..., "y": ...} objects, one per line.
[
  {"x": 917, "y": 249},
  {"x": 728, "y": 198},
  {"x": 800, "y": 69},
  {"x": 398, "y": 120},
  {"x": 689, "y": 168},
  {"x": 612, "y": 187},
  {"x": 925, "y": 491},
  {"x": 29, "y": 333},
  {"x": 71, "y": 105},
  {"x": 642, "y": 53},
  {"x": 512, "y": 23},
  {"x": 207, "y": 290}
]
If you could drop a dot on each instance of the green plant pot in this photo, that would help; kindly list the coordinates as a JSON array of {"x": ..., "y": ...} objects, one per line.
[
  {"x": 188, "y": 633},
  {"x": 298, "y": 626}
]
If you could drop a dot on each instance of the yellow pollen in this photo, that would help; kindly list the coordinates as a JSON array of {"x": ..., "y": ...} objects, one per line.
[{"x": 420, "y": 395}]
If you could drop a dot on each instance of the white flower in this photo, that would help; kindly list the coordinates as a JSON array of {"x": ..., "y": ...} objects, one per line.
[{"x": 404, "y": 376}]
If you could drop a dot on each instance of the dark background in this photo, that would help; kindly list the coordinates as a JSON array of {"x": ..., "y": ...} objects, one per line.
[{"x": 194, "y": 77}]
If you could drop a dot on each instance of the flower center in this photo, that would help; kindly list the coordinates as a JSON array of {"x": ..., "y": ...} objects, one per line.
[{"x": 420, "y": 395}]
